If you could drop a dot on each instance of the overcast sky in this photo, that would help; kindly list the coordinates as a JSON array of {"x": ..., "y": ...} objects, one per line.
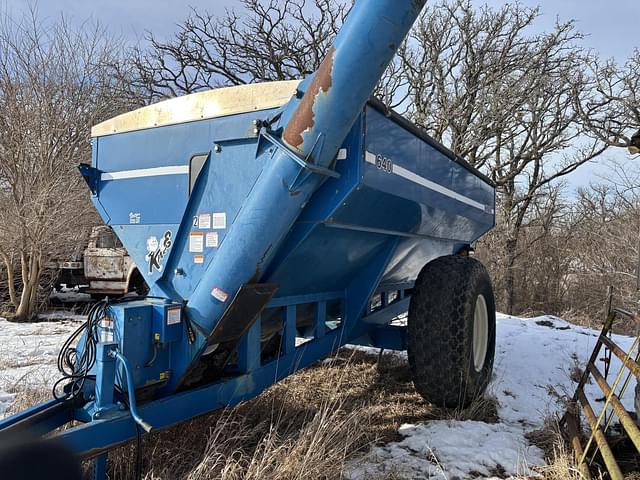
[{"x": 611, "y": 26}]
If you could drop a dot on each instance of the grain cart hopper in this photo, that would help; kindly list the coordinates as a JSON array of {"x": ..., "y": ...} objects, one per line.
[{"x": 275, "y": 223}]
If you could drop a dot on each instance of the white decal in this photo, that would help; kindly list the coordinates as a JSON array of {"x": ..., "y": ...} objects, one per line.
[
  {"x": 211, "y": 240},
  {"x": 219, "y": 220},
  {"x": 198, "y": 259},
  {"x": 157, "y": 250},
  {"x": 204, "y": 221},
  {"x": 383, "y": 163},
  {"x": 134, "y": 218},
  {"x": 219, "y": 294},
  {"x": 342, "y": 154},
  {"x": 196, "y": 242},
  {"x": 173, "y": 315}
]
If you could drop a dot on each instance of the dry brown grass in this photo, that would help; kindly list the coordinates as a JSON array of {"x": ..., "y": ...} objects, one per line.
[
  {"x": 26, "y": 397},
  {"x": 559, "y": 460},
  {"x": 308, "y": 426},
  {"x": 560, "y": 464}
]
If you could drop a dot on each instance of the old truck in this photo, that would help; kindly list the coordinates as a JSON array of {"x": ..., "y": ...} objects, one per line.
[{"x": 108, "y": 268}]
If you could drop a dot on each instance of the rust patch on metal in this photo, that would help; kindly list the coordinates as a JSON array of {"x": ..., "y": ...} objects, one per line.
[{"x": 302, "y": 118}]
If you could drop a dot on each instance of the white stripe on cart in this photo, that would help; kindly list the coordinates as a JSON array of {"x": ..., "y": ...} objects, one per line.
[
  {"x": 424, "y": 182},
  {"x": 146, "y": 172}
]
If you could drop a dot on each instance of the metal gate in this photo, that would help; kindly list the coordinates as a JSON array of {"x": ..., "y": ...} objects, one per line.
[{"x": 612, "y": 408}]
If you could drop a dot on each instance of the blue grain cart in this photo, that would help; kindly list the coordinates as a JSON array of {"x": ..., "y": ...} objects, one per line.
[{"x": 275, "y": 223}]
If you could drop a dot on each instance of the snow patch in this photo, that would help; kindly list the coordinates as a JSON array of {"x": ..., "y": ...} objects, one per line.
[
  {"x": 444, "y": 450},
  {"x": 531, "y": 380},
  {"x": 29, "y": 352}
]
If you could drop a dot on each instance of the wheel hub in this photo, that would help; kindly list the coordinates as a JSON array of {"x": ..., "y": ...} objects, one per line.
[{"x": 480, "y": 333}]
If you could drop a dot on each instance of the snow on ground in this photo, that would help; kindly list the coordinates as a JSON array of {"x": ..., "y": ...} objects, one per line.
[
  {"x": 28, "y": 352},
  {"x": 532, "y": 374},
  {"x": 532, "y": 370}
]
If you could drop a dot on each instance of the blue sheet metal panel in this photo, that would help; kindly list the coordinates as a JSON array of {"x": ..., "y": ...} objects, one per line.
[
  {"x": 145, "y": 208},
  {"x": 171, "y": 144},
  {"x": 148, "y": 247},
  {"x": 376, "y": 209},
  {"x": 154, "y": 200},
  {"x": 134, "y": 333},
  {"x": 371, "y": 208},
  {"x": 159, "y": 198},
  {"x": 408, "y": 163},
  {"x": 224, "y": 184},
  {"x": 412, "y": 254},
  {"x": 329, "y": 196},
  {"x": 327, "y": 260}
]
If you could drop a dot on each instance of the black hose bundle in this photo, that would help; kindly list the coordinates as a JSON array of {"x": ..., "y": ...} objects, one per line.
[{"x": 75, "y": 369}]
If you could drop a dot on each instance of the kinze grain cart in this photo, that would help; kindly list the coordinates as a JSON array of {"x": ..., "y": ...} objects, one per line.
[{"x": 275, "y": 223}]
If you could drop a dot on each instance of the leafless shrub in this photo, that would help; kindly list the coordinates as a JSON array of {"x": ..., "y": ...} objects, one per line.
[{"x": 53, "y": 88}]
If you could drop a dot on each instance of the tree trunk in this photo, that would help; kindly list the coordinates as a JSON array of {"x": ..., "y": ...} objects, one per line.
[
  {"x": 29, "y": 297},
  {"x": 11, "y": 285},
  {"x": 511, "y": 247}
]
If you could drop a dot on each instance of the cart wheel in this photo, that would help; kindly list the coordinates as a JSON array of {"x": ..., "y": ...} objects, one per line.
[{"x": 452, "y": 331}]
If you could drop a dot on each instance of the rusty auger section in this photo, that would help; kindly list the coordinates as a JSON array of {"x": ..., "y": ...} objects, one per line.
[
  {"x": 317, "y": 124},
  {"x": 302, "y": 119}
]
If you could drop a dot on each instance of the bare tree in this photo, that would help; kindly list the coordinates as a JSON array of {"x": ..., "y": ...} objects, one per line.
[
  {"x": 53, "y": 88},
  {"x": 612, "y": 109},
  {"x": 502, "y": 99},
  {"x": 607, "y": 237},
  {"x": 268, "y": 40}
]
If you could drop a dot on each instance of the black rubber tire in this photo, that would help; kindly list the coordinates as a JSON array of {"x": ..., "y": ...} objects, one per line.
[
  {"x": 138, "y": 285},
  {"x": 440, "y": 331}
]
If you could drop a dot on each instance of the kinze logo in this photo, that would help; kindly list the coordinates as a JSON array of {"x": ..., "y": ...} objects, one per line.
[
  {"x": 383, "y": 163},
  {"x": 157, "y": 250}
]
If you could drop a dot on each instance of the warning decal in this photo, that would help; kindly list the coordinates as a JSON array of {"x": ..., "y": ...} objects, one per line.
[
  {"x": 173, "y": 315},
  {"x": 204, "y": 221},
  {"x": 219, "y": 220},
  {"x": 211, "y": 240},
  {"x": 198, "y": 259},
  {"x": 196, "y": 242},
  {"x": 219, "y": 294}
]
